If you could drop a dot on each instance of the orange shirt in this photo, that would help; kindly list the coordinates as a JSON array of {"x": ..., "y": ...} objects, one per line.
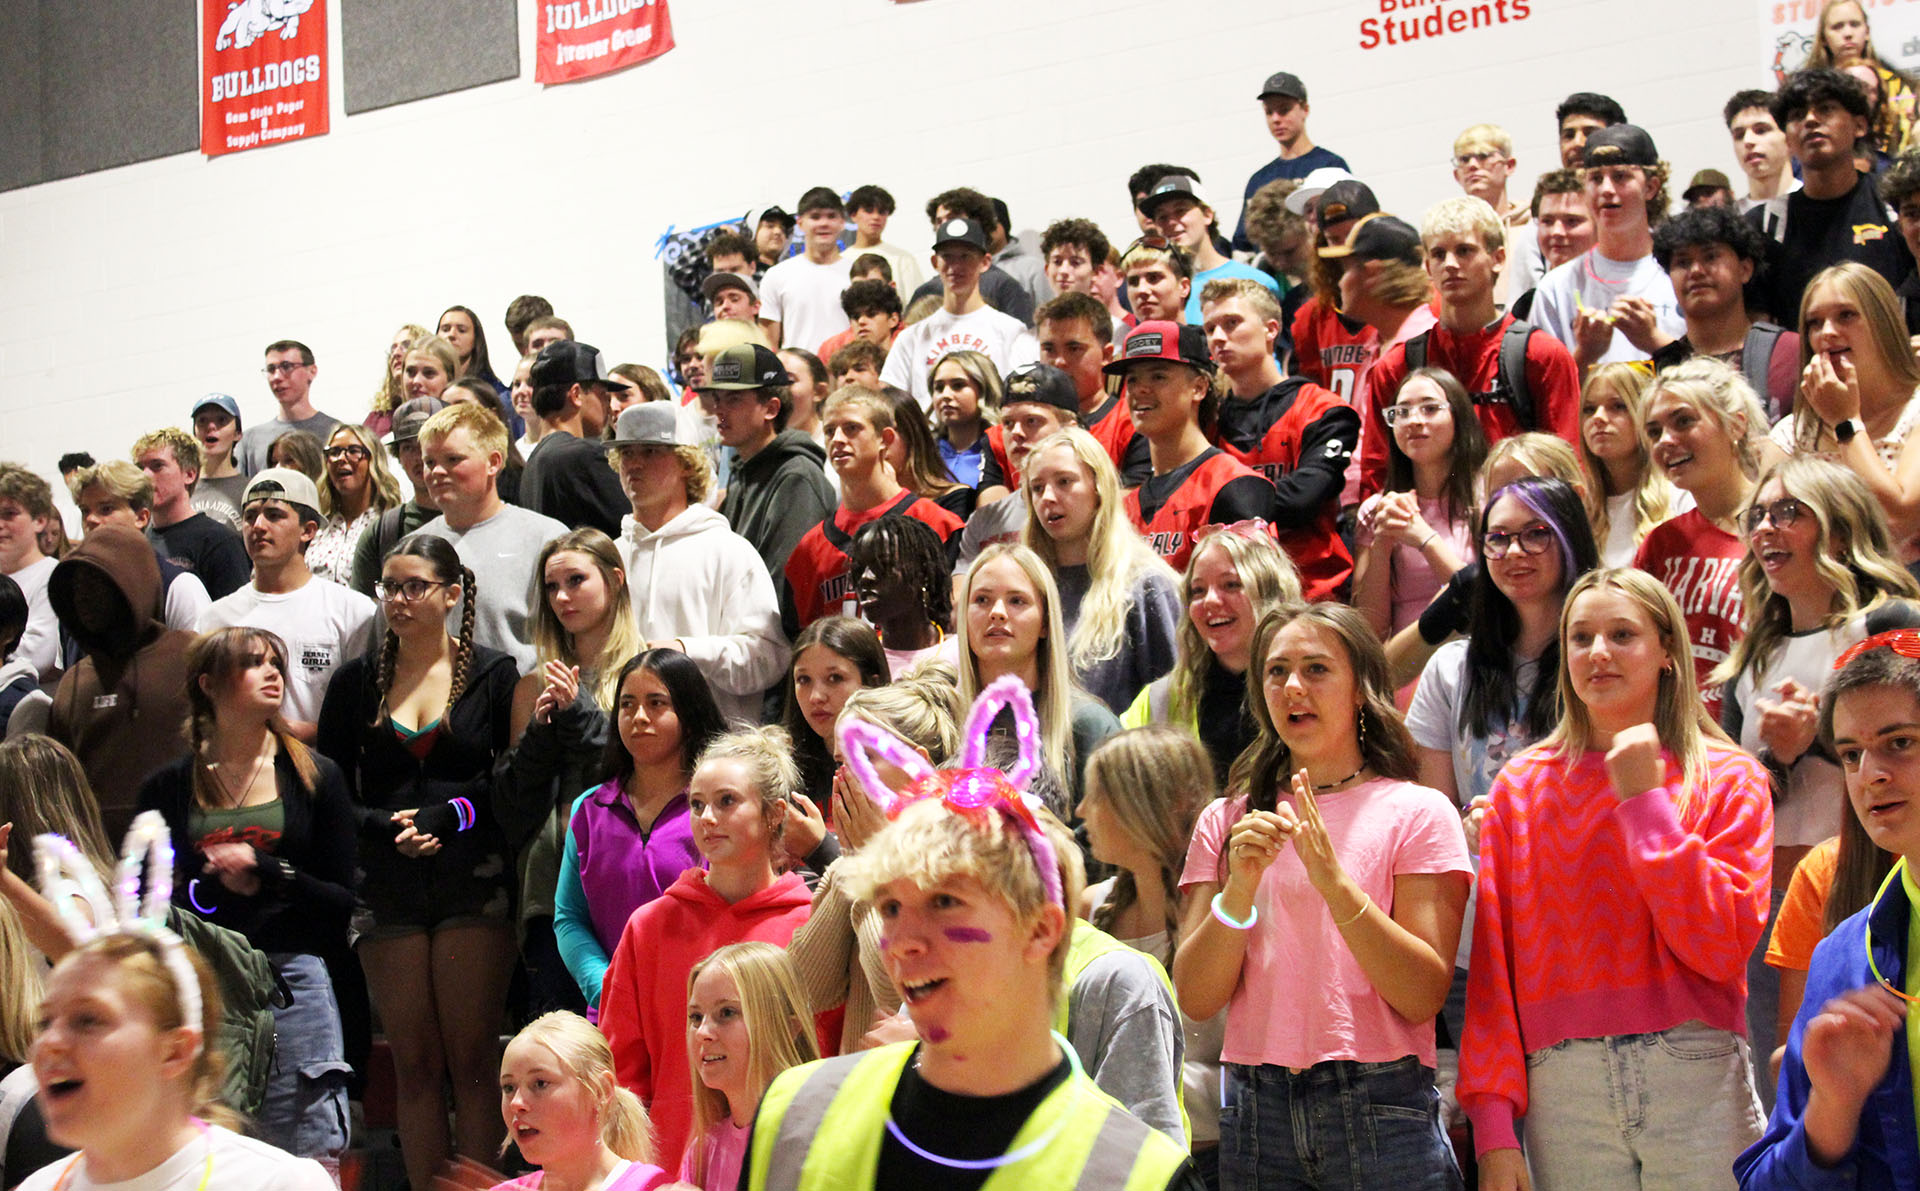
[{"x": 1799, "y": 927}]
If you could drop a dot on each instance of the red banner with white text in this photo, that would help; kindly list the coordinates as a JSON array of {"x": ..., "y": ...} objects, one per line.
[
  {"x": 263, "y": 73},
  {"x": 578, "y": 39}
]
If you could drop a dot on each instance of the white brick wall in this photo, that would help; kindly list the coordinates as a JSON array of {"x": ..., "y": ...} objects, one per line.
[{"x": 127, "y": 293}]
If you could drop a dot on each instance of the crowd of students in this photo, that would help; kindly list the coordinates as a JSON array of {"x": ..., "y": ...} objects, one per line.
[{"x": 1161, "y": 716}]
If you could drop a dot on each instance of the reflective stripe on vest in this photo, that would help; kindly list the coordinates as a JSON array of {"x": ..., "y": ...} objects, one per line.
[{"x": 820, "y": 1127}]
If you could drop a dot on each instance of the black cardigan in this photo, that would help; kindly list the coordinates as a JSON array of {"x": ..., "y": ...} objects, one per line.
[
  {"x": 304, "y": 910},
  {"x": 383, "y": 776}
]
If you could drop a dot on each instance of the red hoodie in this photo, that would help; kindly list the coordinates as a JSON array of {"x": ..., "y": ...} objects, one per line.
[{"x": 643, "y": 1000}]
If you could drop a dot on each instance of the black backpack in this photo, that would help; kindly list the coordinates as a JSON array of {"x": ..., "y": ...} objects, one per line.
[{"x": 1509, "y": 378}]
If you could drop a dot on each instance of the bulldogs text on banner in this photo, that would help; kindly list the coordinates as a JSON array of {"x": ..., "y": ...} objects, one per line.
[{"x": 263, "y": 73}]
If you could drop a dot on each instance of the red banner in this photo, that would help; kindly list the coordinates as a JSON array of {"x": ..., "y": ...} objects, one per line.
[
  {"x": 263, "y": 73},
  {"x": 578, "y": 39}
]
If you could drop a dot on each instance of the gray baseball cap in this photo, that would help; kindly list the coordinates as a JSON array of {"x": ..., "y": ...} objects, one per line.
[{"x": 649, "y": 424}]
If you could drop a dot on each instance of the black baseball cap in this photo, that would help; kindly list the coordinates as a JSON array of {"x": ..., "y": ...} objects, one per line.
[
  {"x": 1042, "y": 384},
  {"x": 1379, "y": 238},
  {"x": 775, "y": 214},
  {"x": 1159, "y": 339},
  {"x": 1351, "y": 199},
  {"x": 1620, "y": 144},
  {"x": 746, "y": 366},
  {"x": 568, "y": 362},
  {"x": 960, "y": 231},
  {"x": 1283, "y": 85},
  {"x": 1171, "y": 187}
]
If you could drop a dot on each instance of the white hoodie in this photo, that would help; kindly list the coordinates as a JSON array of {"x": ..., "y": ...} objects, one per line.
[{"x": 696, "y": 579}]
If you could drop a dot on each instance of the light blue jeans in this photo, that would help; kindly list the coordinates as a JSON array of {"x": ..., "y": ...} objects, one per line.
[
  {"x": 1665, "y": 1110},
  {"x": 305, "y": 1109}
]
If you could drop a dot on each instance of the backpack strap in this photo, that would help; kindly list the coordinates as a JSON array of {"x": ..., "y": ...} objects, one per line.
[
  {"x": 1511, "y": 374},
  {"x": 1756, "y": 354},
  {"x": 1416, "y": 349}
]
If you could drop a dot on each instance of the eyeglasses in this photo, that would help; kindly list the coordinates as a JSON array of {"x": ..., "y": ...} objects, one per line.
[
  {"x": 1463, "y": 160},
  {"x": 1534, "y": 539},
  {"x": 348, "y": 452},
  {"x": 281, "y": 369},
  {"x": 1783, "y": 513},
  {"x": 407, "y": 591},
  {"x": 1426, "y": 411}
]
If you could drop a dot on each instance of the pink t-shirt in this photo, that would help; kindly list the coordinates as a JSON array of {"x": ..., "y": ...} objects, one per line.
[
  {"x": 630, "y": 1176},
  {"x": 1303, "y": 998},
  {"x": 725, "y": 1147},
  {"x": 1410, "y": 576}
]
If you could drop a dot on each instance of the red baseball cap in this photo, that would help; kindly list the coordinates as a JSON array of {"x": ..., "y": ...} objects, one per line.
[{"x": 1160, "y": 339}]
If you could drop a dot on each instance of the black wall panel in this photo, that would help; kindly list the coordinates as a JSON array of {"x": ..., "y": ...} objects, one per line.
[{"x": 402, "y": 50}]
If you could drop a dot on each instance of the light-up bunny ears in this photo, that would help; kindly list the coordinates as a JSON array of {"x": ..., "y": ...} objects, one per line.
[
  {"x": 142, "y": 889},
  {"x": 975, "y": 788}
]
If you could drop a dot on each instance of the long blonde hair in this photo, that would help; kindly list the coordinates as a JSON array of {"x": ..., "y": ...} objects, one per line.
[
  {"x": 386, "y": 487},
  {"x": 1853, "y": 553},
  {"x": 551, "y": 640},
  {"x": 922, "y": 707},
  {"x": 1053, "y": 699},
  {"x": 1117, "y": 556},
  {"x": 1155, "y": 779},
  {"x": 1269, "y": 579},
  {"x": 779, "y": 1026},
  {"x": 583, "y": 1053},
  {"x": 393, "y": 390},
  {"x": 20, "y": 987},
  {"x": 1879, "y": 309},
  {"x": 1679, "y": 717},
  {"x": 1652, "y": 494}
]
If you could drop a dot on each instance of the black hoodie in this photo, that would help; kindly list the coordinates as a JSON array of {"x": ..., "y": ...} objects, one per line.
[{"x": 123, "y": 708}]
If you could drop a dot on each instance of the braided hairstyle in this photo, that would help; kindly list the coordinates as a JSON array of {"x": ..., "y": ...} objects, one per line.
[
  {"x": 899, "y": 545},
  {"x": 448, "y": 569}
]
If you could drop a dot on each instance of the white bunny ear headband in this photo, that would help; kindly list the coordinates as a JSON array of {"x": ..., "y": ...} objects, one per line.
[
  {"x": 142, "y": 889},
  {"x": 975, "y": 788}
]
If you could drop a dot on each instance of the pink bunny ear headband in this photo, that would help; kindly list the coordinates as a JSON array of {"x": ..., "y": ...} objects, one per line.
[
  {"x": 68, "y": 880},
  {"x": 974, "y": 790}
]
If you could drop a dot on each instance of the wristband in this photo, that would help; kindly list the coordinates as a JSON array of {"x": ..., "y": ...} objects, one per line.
[
  {"x": 1431, "y": 534},
  {"x": 1227, "y": 920},
  {"x": 463, "y": 812}
]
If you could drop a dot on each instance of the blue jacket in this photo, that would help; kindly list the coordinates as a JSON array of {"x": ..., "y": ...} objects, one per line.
[{"x": 1887, "y": 1152}]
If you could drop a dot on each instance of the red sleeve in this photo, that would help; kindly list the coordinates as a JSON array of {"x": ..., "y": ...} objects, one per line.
[
  {"x": 1306, "y": 345},
  {"x": 620, "y": 1012},
  {"x": 1554, "y": 382},
  {"x": 1377, "y": 389},
  {"x": 1707, "y": 884}
]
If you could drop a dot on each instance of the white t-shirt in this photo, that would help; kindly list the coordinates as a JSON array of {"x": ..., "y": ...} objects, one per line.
[
  {"x": 322, "y": 623},
  {"x": 40, "y": 644},
  {"x": 1002, "y": 338},
  {"x": 237, "y": 1164},
  {"x": 804, "y": 298},
  {"x": 1595, "y": 281},
  {"x": 908, "y": 270}
]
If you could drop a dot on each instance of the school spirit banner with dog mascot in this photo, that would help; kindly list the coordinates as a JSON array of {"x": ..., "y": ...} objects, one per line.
[
  {"x": 579, "y": 39},
  {"x": 263, "y": 73}
]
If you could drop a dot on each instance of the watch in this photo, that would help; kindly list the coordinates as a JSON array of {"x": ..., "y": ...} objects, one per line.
[{"x": 1845, "y": 430}]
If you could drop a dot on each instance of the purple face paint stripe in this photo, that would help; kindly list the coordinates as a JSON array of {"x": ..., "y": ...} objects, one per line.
[{"x": 967, "y": 934}]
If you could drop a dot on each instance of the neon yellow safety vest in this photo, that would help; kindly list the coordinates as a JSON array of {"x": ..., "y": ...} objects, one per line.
[
  {"x": 820, "y": 1127},
  {"x": 1089, "y": 943}
]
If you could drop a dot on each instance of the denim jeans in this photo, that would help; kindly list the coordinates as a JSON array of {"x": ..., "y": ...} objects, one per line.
[
  {"x": 305, "y": 1110},
  {"x": 1665, "y": 1110},
  {"x": 1337, "y": 1126}
]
